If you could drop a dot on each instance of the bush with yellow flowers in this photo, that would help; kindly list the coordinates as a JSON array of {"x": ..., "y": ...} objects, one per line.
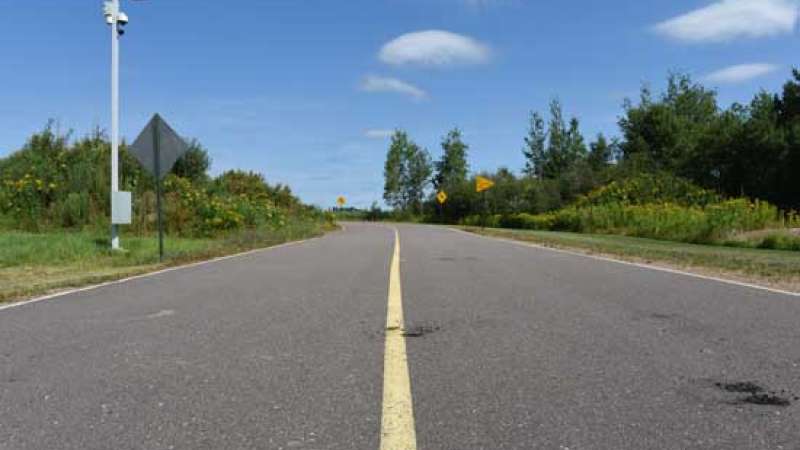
[{"x": 55, "y": 183}]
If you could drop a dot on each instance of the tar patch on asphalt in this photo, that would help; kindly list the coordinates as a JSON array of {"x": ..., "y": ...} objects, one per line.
[
  {"x": 420, "y": 330},
  {"x": 750, "y": 393}
]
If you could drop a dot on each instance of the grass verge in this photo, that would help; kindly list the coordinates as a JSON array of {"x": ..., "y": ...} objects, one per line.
[
  {"x": 774, "y": 268},
  {"x": 40, "y": 263}
]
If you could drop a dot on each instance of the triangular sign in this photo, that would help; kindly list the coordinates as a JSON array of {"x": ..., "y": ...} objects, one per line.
[
  {"x": 483, "y": 184},
  {"x": 158, "y": 137}
]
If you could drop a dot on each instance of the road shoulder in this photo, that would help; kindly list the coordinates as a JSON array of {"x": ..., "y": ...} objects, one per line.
[
  {"x": 776, "y": 271},
  {"x": 65, "y": 282}
]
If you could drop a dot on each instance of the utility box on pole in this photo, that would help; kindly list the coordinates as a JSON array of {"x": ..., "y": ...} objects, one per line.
[{"x": 121, "y": 207}]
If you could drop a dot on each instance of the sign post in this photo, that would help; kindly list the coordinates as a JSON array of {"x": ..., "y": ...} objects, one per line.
[
  {"x": 157, "y": 170},
  {"x": 157, "y": 148},
  {"x": 483, "y": 184},
  {"x": 441, "y": 198}
]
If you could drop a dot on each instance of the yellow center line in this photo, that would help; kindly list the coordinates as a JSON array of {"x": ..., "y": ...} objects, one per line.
[{"x": 397, "y": 425}]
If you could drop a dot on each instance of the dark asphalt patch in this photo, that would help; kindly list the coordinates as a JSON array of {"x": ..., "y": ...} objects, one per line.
[
  {"x": 765, "y": 399},
  {"x": 756, "y": 394},
  {"x": 420, "y": 330},
  {"x": 740, "y": 387}
]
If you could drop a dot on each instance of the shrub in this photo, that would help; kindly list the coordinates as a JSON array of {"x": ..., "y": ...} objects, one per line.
[
  {"x": 74, "y": 210},
  {"x": 650, "y": 188},
  {"x": 491, "y": 221},
  {"x": 665, "y": 221},
  {"x": 202, "y": 213},
  {"x": 778, "y": 241},
  {"x": 52, "y": 183}
]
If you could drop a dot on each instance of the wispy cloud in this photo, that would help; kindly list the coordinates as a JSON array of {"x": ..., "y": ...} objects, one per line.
[
  {"x": 730, "y": 19},
  {"x": 378, "y": 133},
  {"x": 373, "y": 83},
  {"x": 434, "y": 48},
  {"x": 741, "y": 73}
]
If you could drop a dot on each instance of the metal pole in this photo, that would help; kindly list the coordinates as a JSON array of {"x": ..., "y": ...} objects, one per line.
[
  {"x": 115, "y": 114},
  {"x": 485, "y": 210},
  {"x": 157, "y": 164}
]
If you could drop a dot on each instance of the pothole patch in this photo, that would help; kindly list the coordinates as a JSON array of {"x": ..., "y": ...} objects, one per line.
[
  {"x": 755, "y": 394},
  {"x": 420, "y": 330}
]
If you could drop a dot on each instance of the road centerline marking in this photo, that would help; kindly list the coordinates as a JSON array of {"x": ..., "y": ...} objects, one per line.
[{"x": 397, "y": 420}]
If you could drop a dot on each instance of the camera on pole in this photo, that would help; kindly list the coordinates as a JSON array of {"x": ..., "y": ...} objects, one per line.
[{"x": 113, "y": 14}]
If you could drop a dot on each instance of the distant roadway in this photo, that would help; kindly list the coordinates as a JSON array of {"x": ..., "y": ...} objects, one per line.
[{"x": 390, "y": 337}]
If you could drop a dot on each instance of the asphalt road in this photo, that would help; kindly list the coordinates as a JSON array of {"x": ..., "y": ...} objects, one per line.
[{"x": 503, "y": 346}]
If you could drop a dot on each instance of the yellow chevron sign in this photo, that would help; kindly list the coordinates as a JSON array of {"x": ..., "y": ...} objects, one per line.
[{"x": 483, "y": 184}]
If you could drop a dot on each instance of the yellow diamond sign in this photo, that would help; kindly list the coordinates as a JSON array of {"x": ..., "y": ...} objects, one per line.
[
  {"x": 441, "y": 197},
  {"x": 483, "y": 184},
  {"x": 341, "y": 201}
]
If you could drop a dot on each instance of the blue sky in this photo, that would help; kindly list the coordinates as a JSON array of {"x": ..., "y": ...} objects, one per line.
[{"x": 303, "y": 91}]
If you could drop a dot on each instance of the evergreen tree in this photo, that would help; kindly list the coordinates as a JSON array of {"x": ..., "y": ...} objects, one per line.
[
  {"x": 534, "y": 149},
  {"x": 600, "y": 153},
  {"x": 453, "y": 166},
  {"x": 575, "y": 147},
  {"x": 565, "y": 146}
]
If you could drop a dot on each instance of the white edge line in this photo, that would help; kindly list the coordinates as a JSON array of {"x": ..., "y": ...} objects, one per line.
[
  {"x": 148, "y": 274},
  {"x": 629, "y": 263}
]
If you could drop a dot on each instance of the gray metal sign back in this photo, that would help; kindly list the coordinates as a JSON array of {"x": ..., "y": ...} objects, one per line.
[{"x": 158, "y": 138}]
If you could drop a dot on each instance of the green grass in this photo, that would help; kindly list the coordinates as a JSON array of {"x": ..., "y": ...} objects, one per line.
[
  {"x": 785, "y": 239},
  {"x": 37, "y": 263},
  {"x": 773, "y": 267}
]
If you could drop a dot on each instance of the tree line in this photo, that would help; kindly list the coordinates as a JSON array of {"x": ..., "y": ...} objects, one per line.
[{"x": 745, "y": 150}]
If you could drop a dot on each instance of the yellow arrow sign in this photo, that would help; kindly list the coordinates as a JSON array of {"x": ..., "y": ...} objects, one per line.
[
  {"x": 441, "y": 197},
  {"x": 483, "y": 184},
  {"x": 341, "y": 201}
]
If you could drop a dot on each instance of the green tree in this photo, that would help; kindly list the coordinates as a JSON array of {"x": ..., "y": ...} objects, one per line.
[
  {"x": 194, "y": 164},
  {"x": 666, "y": 134},
  {"x": 555, "y": 161},
  {"x": 419, "y": 172},
  {"x": 600, "y": 154},
  {"x": 565, "y": 146},
  {"x": 575, "y": 146},
  {"x": 453, "y": 166},
  {"x": 395, "y": 171},
  {"x": 789, "y": 113},
  {"x": 534, "y": 150}
]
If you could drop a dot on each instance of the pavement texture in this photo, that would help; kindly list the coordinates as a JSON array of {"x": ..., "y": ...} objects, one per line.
[{"x": 508, "y": 347}]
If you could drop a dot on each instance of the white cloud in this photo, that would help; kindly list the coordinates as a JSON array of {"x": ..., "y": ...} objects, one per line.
[
  {"x": 434, "y": 48},
  {"x": 730, "y": 19},
  {"x": 372, "y": 83},
  {"x": 741, "y": 73},
  {"x": 378, "y": 133}
]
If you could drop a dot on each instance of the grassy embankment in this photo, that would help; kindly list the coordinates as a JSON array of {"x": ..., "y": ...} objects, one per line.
[
  {"x": 38, "y": 263},
  {"x": 775, "y": 268}
]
